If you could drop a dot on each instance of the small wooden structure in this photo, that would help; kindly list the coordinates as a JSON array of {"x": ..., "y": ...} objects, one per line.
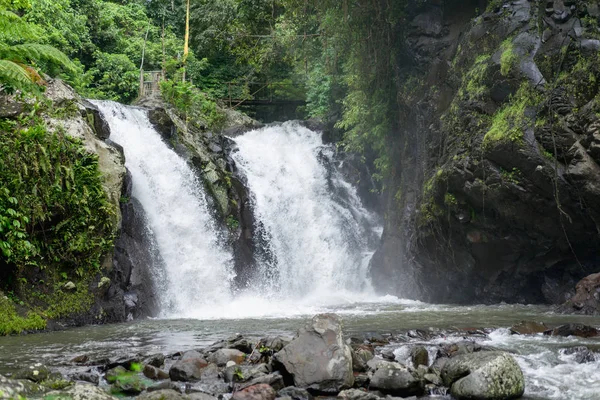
[{"x": 150, "y": 87}]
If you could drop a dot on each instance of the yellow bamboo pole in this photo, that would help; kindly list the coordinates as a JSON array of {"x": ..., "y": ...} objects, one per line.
[{"x": 187, "y": 36}]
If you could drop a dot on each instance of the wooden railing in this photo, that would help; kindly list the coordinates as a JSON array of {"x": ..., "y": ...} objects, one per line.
[{"x": 150, "y": 83}]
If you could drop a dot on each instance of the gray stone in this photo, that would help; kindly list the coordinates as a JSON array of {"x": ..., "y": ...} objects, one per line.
[
  {"x": 357, "y": 394},
  {"x": 86, "y": 377},
  {"x": 162, "y": 394},
  {"x": 152, "y": 372},
  {"x": 318, "y": 358},
  {"x": 484, "y": 375},
  {"x": 419, "y": 356},
  {"x": 360, "y": 357},
  {"x": 130, "y": 384},
  {"x": 189, "y": 368},
  {"x": 156, "y": 360},
  {"x": 295, "y": 393},
  {"x": 274, "y": 380},
  {"x": 222, "y": 356},
  {"x": 81, "y": 391},
  {"x": 257, "y": 392},
  {"x": 395, "y": 379},
  {"x": 13, "y": 388},
  {"x": 34, "y": 373}
]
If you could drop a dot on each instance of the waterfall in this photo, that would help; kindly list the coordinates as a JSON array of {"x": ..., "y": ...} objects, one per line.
[
  {"x": 312, "y": 221},
  {"x": 198, "y": 269},
  {"x": 317, "y": 238}
]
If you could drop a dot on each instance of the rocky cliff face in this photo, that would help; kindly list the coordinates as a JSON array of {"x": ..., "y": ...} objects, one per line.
[{"x": 498, "y": 165}]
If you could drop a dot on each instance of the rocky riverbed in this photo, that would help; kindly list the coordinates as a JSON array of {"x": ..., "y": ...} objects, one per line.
[{"x": 319, "y": 361}]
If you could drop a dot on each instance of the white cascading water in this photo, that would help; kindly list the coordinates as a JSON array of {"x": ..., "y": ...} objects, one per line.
[
  {"x": 197, "y": 268},
  {"x": 314, "y": 228},
  {"x": 313, "y": 223}
]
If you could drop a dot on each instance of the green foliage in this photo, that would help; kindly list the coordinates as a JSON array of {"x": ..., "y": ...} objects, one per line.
[
  {"x": 192, "y": 104},
  {"x": 20, "y": 51},
  {"x": 473, "y": 86},
  {"x": 509, "y": 123},
  {"x": 116, "y": 77},
  {"x": 232, "y": 223},
  {"x": 508, "y": 58},
  {"x": 11, "y": 322}
]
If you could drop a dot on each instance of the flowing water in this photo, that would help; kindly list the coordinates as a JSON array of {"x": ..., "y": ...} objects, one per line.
[{"x": 317, "y": 238}]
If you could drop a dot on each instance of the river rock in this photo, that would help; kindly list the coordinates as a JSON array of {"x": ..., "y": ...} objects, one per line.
[
  {"x": 484, "y": 375},
  {"x": 419, "y": 356},
  {"x": 130, "y": 384},
  {"x": 156, "y": 360},
  {"x": 580, "y": 330},
  {"x": 13, "y": 388},
  {"x": 86, "y": 377},
  {"x": 528, "y": 328},
  {"x": 163, "y": 394},
  {"x": 274, "y": 380},
  {"x": 189, "y": 368},
  {"x": 34, "y": 373},
  {"x": 244, "y": 373},
  {"x": 166, "y": 385},
  {"x": 587, "y": 297},
  {"x": 581, "y": 354},
  {"x": 222, "y": 356},
  {"x": 295, "y": 393},
  {"x": 81, "y": 391},
  {"x": 261, "y": 391},
  {"x": 152, "y": 372},
  {"x": 318, "y": 358},
  {"x": 357, "y": 394},
  {"x": 395, "y": 379},
  {"x": 360, "y": 357}
]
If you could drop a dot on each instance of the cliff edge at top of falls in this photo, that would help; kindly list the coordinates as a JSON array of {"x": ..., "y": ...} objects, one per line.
[{"x": 498, "y": 164}]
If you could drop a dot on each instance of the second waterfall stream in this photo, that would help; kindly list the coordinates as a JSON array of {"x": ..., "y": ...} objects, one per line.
[{"x": 312, "y": 225}]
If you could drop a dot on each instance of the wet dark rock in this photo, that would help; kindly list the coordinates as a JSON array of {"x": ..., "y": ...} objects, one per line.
[
  {"x": 361, "y": 380},
  {"x": 438, "y": 364},
  {"x": 318, "y": 358},
  {"x": 387, "y": 354},
  {"x": 126, "y": 362},
  {"x": 275, "y": 380},
  {"x": 155, "y": 360},
  {"x": 360, "y": 357},
  {"x": 395, "y": 379},
  {"x": 581, "y": 354},
  {"x": 213, "y": 388},
  {"x": 484, "y": 375},
  {"x": 152, "y": 372},
  {"x": 34, "y": 373},
  {"x": 528, "y": 328},
  {"x": 357, "y": 394},
  {"x": 86, "y": 377},
  {"x": 257, "y": 392},
  {"x": 189, "y": 368},
  {"x": 295, "y": 393},
  {"x": 166, "y": 385},
  {"x": 587, "y": 297},
  {"x": 242, "y": 345},
  {"x": 419, "y": 356},
  {"x": 580, "y": 330},
  {"x": 200, "y": 396}
]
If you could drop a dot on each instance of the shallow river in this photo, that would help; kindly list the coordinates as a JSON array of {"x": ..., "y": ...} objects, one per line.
[{"x": 549, "y": 373}]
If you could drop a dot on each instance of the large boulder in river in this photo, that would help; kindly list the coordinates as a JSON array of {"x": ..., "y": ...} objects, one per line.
[
  {"x": 318, "y": 358},
  {"x": 189, "y": 368},
  {"x": 395, "y": 379},
  {"x": 16, "y": 388},
  {"x": 587, "y": 297},
  {"x": 488, "y": 375}
]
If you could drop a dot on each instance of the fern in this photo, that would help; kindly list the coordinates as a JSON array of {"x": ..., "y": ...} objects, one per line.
[
  {"x": 18, "y": 51},
  {"x": 14, "y": 74}
]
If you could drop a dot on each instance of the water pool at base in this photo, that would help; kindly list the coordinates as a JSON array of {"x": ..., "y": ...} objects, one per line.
[{"x": 549, "y": 373}]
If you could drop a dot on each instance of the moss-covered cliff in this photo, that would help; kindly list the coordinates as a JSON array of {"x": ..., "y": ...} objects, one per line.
[{"x": 496, "y": 194}]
